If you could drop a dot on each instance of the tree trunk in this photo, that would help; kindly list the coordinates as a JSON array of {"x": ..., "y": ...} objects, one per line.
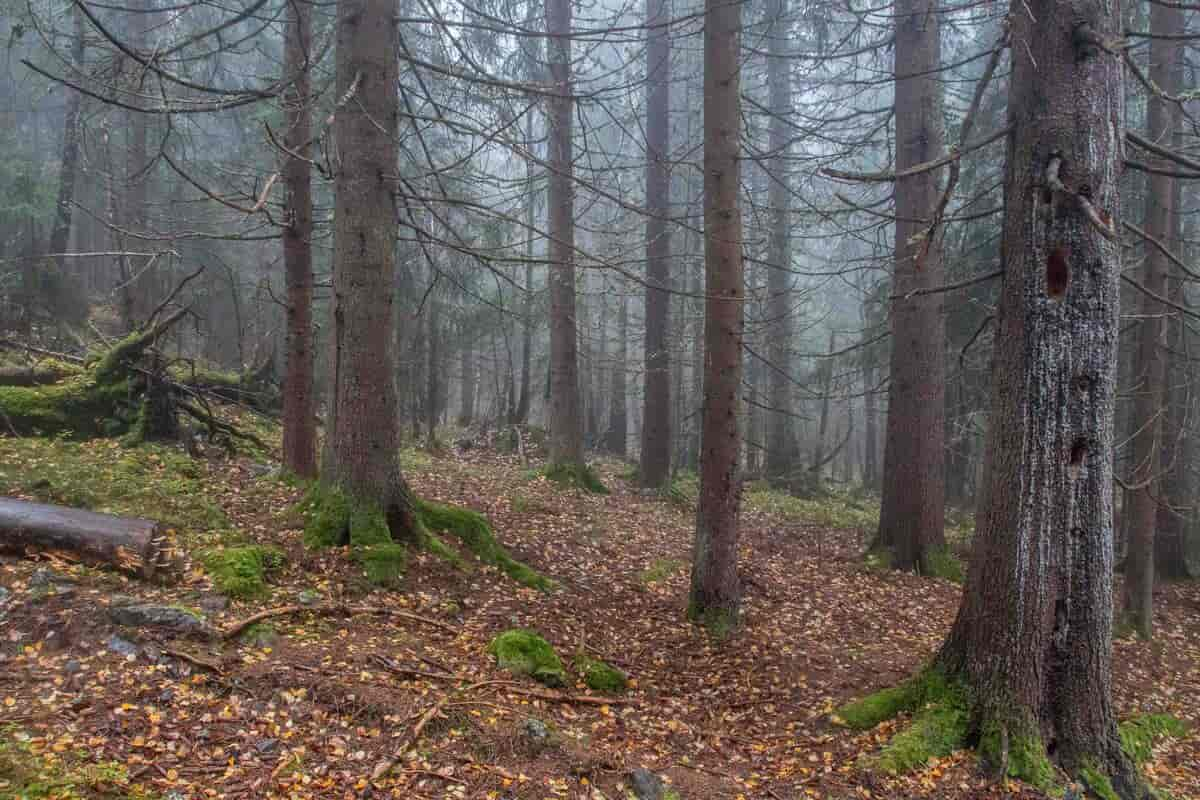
[
  {"x": 825, "y": 371},
  {"x": 362, "y": 457},
  {"x": 781, "y": 445},
  {"x": 1032, "y": 640},
  {"x": 1150, "y": 391},
  {"x": 466, "y": 414},
  {"x": 911, "y": 517},
  {"x": 61, "y": 233},
  {"x": 716, "y": 589},
  {"x": 618, "y": 416},
  {"x": 566, "y": 430},
  {"x": 299, "y": 403},
  {"x": 433, "y": 387},
  {"x": 655, "y": 465}
]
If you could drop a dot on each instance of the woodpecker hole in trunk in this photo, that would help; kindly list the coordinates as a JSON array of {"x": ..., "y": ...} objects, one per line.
[{"x": 1058, "y": 273}]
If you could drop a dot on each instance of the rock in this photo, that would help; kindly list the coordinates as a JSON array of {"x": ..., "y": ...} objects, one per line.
[
  {"x": 261, "y": 470},
  {"x": 121, "y": 600},
  {"x": 524, "y": 652},
  {"x": 5, "y": 594},
  {"x": 646, "y": 785},
  {"x": 72, "y": 667},
  {"x": 166, "y": 697},
  {"x": 265, "y": 746},
  {"x": 309, "y": 597},
  {"x": 260, "y": 635},
  {"x": 169, "y": 618},
  {"x": 121, "y": 646},
  {"x": 212, "y": 603},
  {"x": 535, "y": 730}
]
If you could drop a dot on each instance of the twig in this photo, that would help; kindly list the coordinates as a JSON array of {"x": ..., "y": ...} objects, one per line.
[
  {"x": 334, "y": 610},
  {"x": 191, "y": 659}
]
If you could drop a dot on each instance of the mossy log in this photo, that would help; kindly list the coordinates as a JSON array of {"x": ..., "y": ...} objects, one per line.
[
  {"x": 36, "y": 374},
  {"x": 138, "y": 547}
]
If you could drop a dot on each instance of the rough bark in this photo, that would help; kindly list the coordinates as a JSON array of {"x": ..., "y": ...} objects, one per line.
[
  {"x": 566, "y": 431},
  {"x": 656, "y": 391},
  {"x": 825, "y": 378},
  {"x": 135, "y": 546},
  {"x": 1151, "y": 360},
  {"x": 60, "y": 234},
  {"x": 781, "y": 446},
  {"x": 1032, "y": 640},
  {"x": 466, "y": 412},
  {"x": 299, "y": 403},
  {"x": 362, "y": 456},
  {"x": 715, "y": 587},
  {"x": 912, "y": 514},
  {"x": 521, "y": 415}
]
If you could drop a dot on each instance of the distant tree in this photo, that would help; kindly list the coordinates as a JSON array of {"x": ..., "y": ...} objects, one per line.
[
  {"x": 617, "y": 435},
  {"x": 566, "y": 423},
  {"x": 299, "y": 406},
  {"x": 656, "y": 391},
  {"x": 911, "y": 517},
  {"x": 1150, "y": 386},
  {"x": 716, "y": 588}
]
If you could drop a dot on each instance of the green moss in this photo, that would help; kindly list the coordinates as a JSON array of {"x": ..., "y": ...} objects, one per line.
[
  {"x": 600, "y": 676},
  {"x": 930, "y": 686},
  {"x": 942, "y": 563},
  {"x": 77, "y": 407},
  {"x": 261, "y": 634},
  {"x": 160, "y": 482},
  {"x": 936, "y": 731},
  {"x": 1098, "y": 783},
  {"x": 242, "y": 572},
  {"x": 878, "y": 559},
  {"x": 384, "y": 563},
  {"x": 524, "y": 652},
  {"x": 368, "y": 525},
  {"x": 659, "y": 570},
  {"x": 575, "y": 476},
  {"x": 719, "y": 622},
  {"x": 683, "y": 490},
  {"x": 473, "y": 531},
  {"x": 327, "y": 516},
  {"x": 842, "y": 510},
  {"x": 1139, "y": 734},
  {"x": 1017, "y": 743}
]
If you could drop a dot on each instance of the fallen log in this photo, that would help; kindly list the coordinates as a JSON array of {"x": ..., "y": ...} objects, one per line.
[
  {"x": 39, "y": 375},
  {"x": 135, "y": 546}
]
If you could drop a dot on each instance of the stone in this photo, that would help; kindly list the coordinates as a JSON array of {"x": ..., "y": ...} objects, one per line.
[
  {"x": 167, "y": 618},
  {"x": 121, "y": 646},
  {"x": 212, "y": 603},
  {"x": 265, "y": 746},
  {"x": 72, "y": 667},
  {"x": 5, "y": 594},
  {"x": 535, "y": 730},
  {"x": 646, "y": 785},
  {"x": 309, "y": 597}
]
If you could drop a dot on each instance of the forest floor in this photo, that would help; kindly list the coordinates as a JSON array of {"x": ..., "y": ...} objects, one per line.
[{"x": 309, "y": 704}]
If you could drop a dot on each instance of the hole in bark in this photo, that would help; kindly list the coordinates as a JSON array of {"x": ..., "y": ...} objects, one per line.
[
  {"x": 1058, "y": 273},
  {"x": 1078, "y": 454},
  {"x": 1081, "y": 384},
  {"x": 1047, "y": 195},
  {"x": 1051, "y": 746}
]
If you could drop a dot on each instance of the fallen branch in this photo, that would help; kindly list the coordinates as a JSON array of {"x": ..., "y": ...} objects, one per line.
[{"x": 331, "y": 610}]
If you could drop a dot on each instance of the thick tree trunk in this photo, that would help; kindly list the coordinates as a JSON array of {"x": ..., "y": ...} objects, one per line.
[
  {"x": 299, "y": 404},
  {"x": 716, "y": 588},
  {"x": 656, "y": 391},
  {"x": 911, "y": 517},
  {"x": 780, "y": 441},
  {"x": 618, "y": 415},
  {"x": 136, "y": 546},
  {"x": 566, "y": 429},
  {"x": 1032, "y": 640},
  {"x": 1150, "y": 390},
  {"x": 362, "y": 457}
]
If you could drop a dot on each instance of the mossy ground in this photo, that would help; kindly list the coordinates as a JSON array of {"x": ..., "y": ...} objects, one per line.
[
  {"x": 600, "y": 676},
  {"x": 1139, "y": 734},
  {"x": 473, "y": 530},
  {"x": 33, "y": 771},
  {"x": 574, "y": 476},
  {"x": 241, "y": 572},
  {"x": 160, "y": 482},
  {"x": 525, "y": 652},
  {"x": 659, "y": 570}
]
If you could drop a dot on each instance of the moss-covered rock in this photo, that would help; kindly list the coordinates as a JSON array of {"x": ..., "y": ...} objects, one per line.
[
  {"x": 525, "y": 652},
  {"x": 600, "y": 676},
  {"x": 575, "y": 476},
  {"x": 1141, "y": 733},
  {"x": 242, "y": 572}
]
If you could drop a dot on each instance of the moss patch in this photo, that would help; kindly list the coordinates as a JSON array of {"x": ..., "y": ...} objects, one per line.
[
  {"x": 927, "y": 687},
  {"x": 524, "y": 652},
  {"x": 242, "y": 572},
  {"x": 1139, "y": 734},
  {"x": 659, "y": 570},
  {"x": 719, "y": 622},
  {"x": 326, "y": 512},
  {"x": 383, "y": 563},
  {"x": 1098, "y": 783},
  {"x": 936, "y": 731},
  {"x": 1017, "y": 744},
  {"x": 575, "y": 476},
  {"x": 473, "y": 531},
  {"x": 600, "y": 676},
  {"x": 43, "y": 774},
  {"x": 941, "y": 562}
]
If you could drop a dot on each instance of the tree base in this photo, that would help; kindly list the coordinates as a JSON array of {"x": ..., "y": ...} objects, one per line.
[
  {"x": 944, "y": 720},
  {"x": 378, "y": 539}
]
